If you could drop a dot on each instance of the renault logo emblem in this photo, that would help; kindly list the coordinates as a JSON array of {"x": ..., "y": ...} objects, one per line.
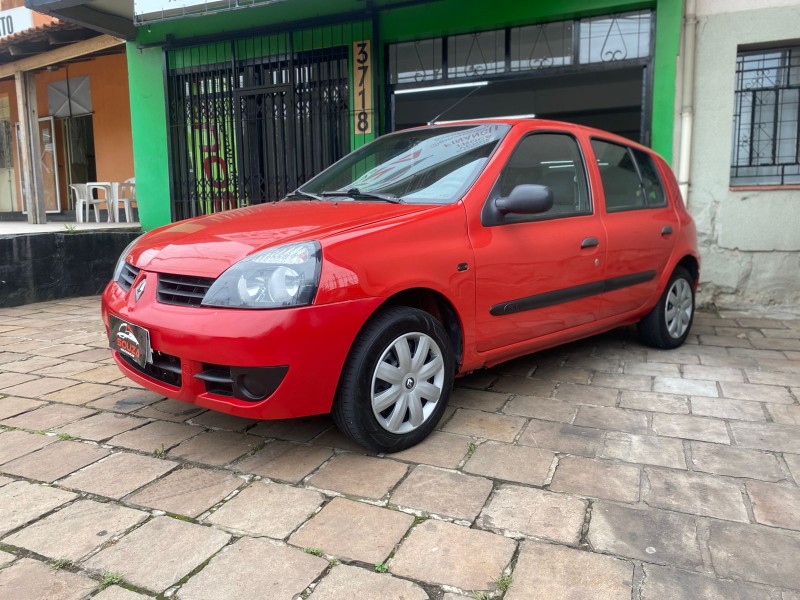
[{"x": 140, "y": 289}]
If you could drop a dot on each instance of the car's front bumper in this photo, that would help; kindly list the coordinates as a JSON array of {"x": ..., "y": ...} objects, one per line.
[{"x": 304, "y": 348}]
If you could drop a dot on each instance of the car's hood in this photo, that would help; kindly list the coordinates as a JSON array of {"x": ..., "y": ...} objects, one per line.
[{"x": 206, "y": 246}]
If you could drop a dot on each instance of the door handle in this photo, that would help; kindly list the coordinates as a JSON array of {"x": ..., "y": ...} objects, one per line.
[
  {"x": 666, "y": 230},
  {"x": 589, "y": 242}
]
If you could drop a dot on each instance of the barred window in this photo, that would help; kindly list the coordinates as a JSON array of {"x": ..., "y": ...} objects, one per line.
[{"x": 766, "y": 120}]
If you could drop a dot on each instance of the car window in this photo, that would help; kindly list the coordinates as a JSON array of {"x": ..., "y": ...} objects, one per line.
[
  {"x": 653, "y": 190},
  {"x": 550, "y": 159},
  {"x": 621, "y": 184}
]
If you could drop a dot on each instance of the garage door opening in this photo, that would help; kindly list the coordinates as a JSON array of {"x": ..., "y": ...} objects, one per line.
[{"x": 610, "y": 99}]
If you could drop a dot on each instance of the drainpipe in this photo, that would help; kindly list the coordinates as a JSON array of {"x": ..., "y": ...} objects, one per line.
[{"x": 687, "y": 98}]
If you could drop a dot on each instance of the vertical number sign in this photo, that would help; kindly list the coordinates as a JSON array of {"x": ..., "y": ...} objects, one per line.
[{"x": 362, "y": 56}]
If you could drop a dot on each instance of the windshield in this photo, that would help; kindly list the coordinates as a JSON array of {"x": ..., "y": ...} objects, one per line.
[{"x": 422, "y": 166}]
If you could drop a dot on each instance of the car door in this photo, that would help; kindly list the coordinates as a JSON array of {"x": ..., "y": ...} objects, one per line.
[
  {"x": 639, "y": 222},
  {"x": 537, "y": 274}
]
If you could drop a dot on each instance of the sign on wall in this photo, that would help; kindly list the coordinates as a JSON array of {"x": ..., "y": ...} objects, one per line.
[
  {"x": 15, "y": 20},
  {"x": 362, "y": 79}
]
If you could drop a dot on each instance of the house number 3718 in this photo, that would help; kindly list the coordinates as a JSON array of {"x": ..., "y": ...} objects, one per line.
[{"x": 362, "y": 57}]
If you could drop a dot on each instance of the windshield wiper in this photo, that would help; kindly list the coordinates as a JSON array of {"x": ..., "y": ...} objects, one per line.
[
  {"x": 302, "y": 194},
  {"x": 355, "y": 193}
]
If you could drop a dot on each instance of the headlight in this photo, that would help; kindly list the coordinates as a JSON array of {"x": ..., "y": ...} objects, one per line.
[
  {"x": 121, "y": 259},
  {"x": 282, "y": 276}
]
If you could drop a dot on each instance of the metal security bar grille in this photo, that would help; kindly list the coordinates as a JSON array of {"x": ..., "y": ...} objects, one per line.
[
  {"x": 251, "y": 119},
  {"x": 766, "y": 120}
]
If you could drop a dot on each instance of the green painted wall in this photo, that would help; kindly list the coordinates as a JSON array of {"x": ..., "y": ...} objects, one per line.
[
  {"x": 443, "y": 17},
  {"x": 149, "y": 127}
]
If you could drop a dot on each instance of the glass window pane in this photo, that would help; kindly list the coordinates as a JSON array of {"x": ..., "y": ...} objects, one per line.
[
  {"x": 553, "y": 160},
  {"x": 621, "y": 185},
  {"x": 541, "y": 46},
  {"x": 476, "y": 54},
  {"x": 615, "y": 37},
  {"x": 654, "y": 193},
  {"x": 415, "y": 62}
]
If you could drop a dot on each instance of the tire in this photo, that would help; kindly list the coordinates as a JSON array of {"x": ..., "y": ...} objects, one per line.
[
  {"x": 668, "y": 324},
  {"x": 385, "y": 400}
]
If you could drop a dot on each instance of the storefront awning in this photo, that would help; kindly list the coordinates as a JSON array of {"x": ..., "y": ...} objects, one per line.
[{"x": 114, "y": 17}]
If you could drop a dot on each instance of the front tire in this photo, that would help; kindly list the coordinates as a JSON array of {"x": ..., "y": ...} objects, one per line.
[
  {"x": 667, "y": 325},
  {"x": 396, "y": 381}
]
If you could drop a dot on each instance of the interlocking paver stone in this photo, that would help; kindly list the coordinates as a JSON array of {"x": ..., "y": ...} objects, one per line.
[
  {"x": 155, "y": 436},
  {"x": 794, "y": 465},
  {"x": 533, "y": 512},
  {"x": 285, "y": 461},
  {"x": 443, "y": 492},
  {"x": 731, "y": 374},
  {"x": 754, "y": 553},
  {"x": 547, "y": 409},
  {"x": 773, "y": 378},
  {"x": 736, "y": 462},
  {"x": 597, "y": 479},
  {"x": 282, "y": 572},
  {"x": 345, "y": 583},
  {"x": 216, "y": 447},
  {"x": 6, "y": 558},
  {"x": 14, "y": 444},
  {"x": 503, "y": 428},
  {"x": 32, "y": 580},
  {"x": 775, "y": 505},
  {"x": 561, "y": 437},
  {"x": 9, "y": 380},
  {"x": 694, "y": 493},
  {"x": 126, "y": 401},
  {"x": 269, "y": 509},
  {"x": 188, "y": 491},
  {"x": 55, "y": 461},
  {"x": 47, "y": 417},
  {"x": 118, "y": 475},
  {"x": 644, "y": 449},
  {"x": 623, "y": 382},
  {"x": 691, "y": 428},
  {"x": 663, "y": 582},
  {"x": 585, "y": 394},
  {"x": 38, "y": 387},
  {"x": 755, "y": 392},
  {"x": 767, "y": 436},
  {"x": 76, "y": 530},
  {"x": 354, "y": 530},
  {"x": 651, "y": 368},
  {"x": 439, "y": 449},
  {"x": 22, "y": 502},
  {"x": 160, "y": 553},
  {"x": 522, "y": 385},
  {"x": 101, "y": 426},
  {"x": 655, "y": 402},
  {"x": 218, "y": 420},
  {"x": 11, "y": 406},
  {"x": 522, "y": 464},
  {"x": 81, "y": 393},
  {"x": 170, "y": 410},
  {"x": 444, "y": 553},
  {"x": 741, "y": 410},
  {"x": 478, "y": 399},
  {"x": 359, "y": 475},
  {"x": 645, "y": 534},
  {"x": 687, "y": 387},
  {"x": 293, "y": 430},
  {"x": 546, "y": 571},
  {"x": 118, "y": 593},
  {"x": 785, "y": 414},
  {"x": 616, "y": 419}
]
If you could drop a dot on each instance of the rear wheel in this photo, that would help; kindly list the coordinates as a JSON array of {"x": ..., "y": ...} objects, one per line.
[
  {"x": 667, "y": 325},
  {"x": 396, "y": 381}
]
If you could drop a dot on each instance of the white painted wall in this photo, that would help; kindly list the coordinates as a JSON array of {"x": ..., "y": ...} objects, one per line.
[{"x": 750, "y": 240}]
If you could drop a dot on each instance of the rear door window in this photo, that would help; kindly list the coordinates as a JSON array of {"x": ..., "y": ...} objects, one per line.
[{"x": 629, "y": 176}]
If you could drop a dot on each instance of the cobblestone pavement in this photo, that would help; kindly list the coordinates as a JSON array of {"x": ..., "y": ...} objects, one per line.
[{"x": 596, "y": 470}]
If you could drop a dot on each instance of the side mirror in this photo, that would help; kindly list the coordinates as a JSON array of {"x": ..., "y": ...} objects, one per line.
[{"x": 527, "y": 199}]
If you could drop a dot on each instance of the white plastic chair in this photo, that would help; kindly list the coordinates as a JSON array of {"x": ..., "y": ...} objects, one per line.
[
  {"x": 126, "y": 193},
  {"x": 83, "y": 202}
]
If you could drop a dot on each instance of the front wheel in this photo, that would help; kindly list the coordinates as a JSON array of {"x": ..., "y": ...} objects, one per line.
[
  {"x": 667, "y": 325},
  {"x": 396, "y": 381}
]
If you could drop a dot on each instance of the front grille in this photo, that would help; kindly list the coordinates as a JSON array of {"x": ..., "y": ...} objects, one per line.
[
  {"x": 164, "y": 368},
  {"x": 127, "y": 276},
  {"x": 183, "y": 290}
]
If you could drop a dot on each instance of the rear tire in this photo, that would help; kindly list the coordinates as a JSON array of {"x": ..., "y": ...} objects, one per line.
[
  {"x": 396, "y": 381},
  {"x": 667, "y": 325}
]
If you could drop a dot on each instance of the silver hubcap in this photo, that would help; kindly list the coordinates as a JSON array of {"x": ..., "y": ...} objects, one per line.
[
  {"x": 407, "y": 383},
  {"x": 679, "y": 308}
]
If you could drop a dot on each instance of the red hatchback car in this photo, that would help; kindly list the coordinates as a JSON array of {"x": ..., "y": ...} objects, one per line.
[{"x": 422, "y": 256}]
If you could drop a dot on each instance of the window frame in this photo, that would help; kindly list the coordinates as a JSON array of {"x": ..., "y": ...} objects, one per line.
[
  {"x": 635, "y": 162},
  {"x": 487, "y": 218}
]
